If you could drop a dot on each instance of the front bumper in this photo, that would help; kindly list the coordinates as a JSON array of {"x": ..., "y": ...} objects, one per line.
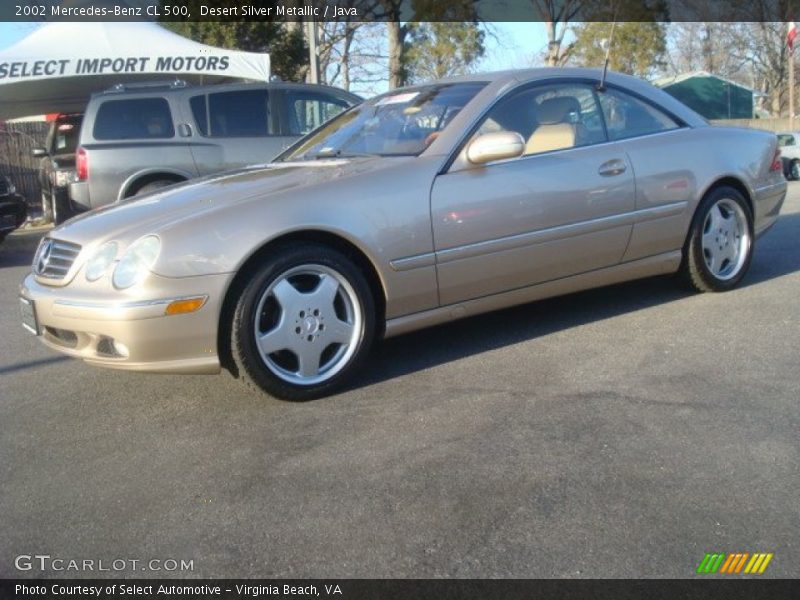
[{"x": 132, "y": 333}]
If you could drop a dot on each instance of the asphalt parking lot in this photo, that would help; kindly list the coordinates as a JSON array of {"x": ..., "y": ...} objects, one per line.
[{"x": 621, "y": 432}]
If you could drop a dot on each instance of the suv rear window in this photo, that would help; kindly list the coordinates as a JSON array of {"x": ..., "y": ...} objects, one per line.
[
  {"x": 140, "y": 118},
  {"x": 243, "y": 113}
]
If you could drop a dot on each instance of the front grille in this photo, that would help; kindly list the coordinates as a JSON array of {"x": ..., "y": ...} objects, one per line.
[{"x": 54, "y": 258}]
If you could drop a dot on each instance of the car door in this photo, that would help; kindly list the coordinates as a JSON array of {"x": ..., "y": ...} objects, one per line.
[
  {"x": 237, "y": 128},
  {"x": 664, "y": 154},
  {"x": 561, "y": 208}
]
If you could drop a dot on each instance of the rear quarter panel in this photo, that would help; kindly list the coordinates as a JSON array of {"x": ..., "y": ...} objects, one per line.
[{"x": 677, "y": 168}]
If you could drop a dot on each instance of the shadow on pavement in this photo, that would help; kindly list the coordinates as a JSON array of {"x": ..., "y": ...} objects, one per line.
[
  {"x": 776, "y": 254},
  {"x": 17, "y": 250},
  {"x": 33, "y": 364}
]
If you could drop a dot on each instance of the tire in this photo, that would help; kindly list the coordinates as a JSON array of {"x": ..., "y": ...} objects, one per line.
[
  {"x": 153, "y": 186},
  {"x": 303, "y": 324},
  {"x": 719, "y": 246},
  {"x": 47, "y": 208},
  {"x": 794, "y": 170}
]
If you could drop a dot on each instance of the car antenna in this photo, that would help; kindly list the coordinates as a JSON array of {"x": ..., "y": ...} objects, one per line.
[{"x": 602, "y": 85}]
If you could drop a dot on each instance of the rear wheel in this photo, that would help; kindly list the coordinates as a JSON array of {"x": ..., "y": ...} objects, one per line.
[
  {"x": 303, "y": 324},
  {"x": 720, "y": 244},
  {"x": 794, "y": 170}
]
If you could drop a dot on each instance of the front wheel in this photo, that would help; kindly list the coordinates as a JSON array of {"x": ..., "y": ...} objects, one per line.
[
  {"x": 303, "y": 324},
  {"x": 720, "y": 243}
]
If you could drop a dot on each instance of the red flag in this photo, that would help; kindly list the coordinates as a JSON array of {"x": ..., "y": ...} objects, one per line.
[{"x": 790, "y": 35}]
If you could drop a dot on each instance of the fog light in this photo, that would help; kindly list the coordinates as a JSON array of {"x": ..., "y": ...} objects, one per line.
[{"x": 186, "y": 305}]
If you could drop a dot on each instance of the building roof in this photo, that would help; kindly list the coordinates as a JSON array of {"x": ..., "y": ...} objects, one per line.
[{"x": 671, "y": 80}]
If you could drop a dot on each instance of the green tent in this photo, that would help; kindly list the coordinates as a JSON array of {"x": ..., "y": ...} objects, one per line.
[{"x": 711, "y": 96}]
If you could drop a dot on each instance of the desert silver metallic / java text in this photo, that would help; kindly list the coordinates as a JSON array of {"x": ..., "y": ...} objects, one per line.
[
  {"x": 726, "y": 239},
  {"x": 308, "y": 324}
]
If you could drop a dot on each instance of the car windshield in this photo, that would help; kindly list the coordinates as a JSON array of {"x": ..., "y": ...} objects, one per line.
[{"x": 400, "y": 123}]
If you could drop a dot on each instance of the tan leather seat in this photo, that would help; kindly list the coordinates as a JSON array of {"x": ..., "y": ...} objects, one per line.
[{"x": 554, "y": 132}]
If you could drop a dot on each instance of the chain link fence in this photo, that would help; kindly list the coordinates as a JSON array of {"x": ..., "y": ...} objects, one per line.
[{"x": 17, "y": 141}]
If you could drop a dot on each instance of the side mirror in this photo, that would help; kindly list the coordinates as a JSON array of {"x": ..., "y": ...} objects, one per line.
[
  {"x": 495, "y": 146},
  {"x": 39, "y": 152}
]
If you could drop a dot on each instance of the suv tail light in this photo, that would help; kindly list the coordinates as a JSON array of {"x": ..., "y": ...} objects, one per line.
[{"x": 82, "y": 164}]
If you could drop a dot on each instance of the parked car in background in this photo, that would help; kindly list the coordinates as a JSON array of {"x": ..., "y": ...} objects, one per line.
[
  {"x": 138, "y": 138},
  {"x": 420, "y": 206},
  {"x": 13, "y": 209},
  {"x": 789, "y": 143},
  {"x": 57, "y": 166}
]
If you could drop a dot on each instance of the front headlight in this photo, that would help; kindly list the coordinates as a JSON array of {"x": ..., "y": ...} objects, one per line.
[
  {"x": 137, "y": 261},
  {"x": 100, "y": 261}
]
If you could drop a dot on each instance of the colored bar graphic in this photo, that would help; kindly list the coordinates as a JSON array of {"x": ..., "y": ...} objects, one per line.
[
  {"x": 764, "y": 564},
  {"x": 741, "y": 562},
  {"x": 734, "y": 562}
]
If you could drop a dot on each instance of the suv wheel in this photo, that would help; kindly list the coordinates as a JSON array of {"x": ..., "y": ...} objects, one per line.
[
  {"x": 153, "y": 186},
  {"x": 47, "y": 208}
]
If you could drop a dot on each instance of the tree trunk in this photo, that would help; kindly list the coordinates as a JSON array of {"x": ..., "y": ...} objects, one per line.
[
  {"x": 552, "y": 57},
  {"x": 396, "y": 39},
  {"x": 345, "y": 60}
]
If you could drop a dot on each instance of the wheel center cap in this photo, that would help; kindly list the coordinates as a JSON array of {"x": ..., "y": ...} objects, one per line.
[{"x": 310, "y": 325}]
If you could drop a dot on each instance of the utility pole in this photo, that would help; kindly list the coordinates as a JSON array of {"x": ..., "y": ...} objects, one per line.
[
  {"x": 313, "y": 50},
  {"x": 791, "y": 89}
]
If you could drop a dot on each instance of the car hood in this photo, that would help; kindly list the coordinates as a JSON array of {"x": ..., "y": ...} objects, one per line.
[{"x": 157, "y": 211}]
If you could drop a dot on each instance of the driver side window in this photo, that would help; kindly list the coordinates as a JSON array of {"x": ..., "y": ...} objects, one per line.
[{"x": 549, "y": 117}]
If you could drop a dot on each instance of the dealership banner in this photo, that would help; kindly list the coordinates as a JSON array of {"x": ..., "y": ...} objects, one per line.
[{"x": 398, "y": 10}]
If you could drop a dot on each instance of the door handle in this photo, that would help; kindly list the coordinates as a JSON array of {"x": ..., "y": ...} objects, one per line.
[{"x": 612, "y": 167}]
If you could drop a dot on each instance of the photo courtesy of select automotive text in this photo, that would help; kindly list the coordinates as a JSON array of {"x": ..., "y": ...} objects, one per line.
[{"x": 399, "y": 299}]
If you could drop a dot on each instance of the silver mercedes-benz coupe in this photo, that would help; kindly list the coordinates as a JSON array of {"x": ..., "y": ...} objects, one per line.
[{"x": 422, "y": 205}]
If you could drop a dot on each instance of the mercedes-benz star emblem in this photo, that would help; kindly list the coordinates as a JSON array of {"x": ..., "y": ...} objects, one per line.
[{"x": 43, "y": 259}]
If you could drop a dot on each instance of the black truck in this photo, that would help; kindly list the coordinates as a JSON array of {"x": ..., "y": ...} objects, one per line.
[{"x": 57, "y": 166}]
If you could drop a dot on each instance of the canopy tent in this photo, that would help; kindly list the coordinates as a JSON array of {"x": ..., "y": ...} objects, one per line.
[{"x": 57, "y": 67}]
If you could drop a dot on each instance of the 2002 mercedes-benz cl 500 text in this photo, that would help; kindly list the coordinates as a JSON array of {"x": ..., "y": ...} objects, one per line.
[{"x": 422, "y": 205}]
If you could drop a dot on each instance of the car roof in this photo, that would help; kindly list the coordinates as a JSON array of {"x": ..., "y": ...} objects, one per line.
[
  {"x": 179, "y": 87},
  {"x": 657, "y": 96}
]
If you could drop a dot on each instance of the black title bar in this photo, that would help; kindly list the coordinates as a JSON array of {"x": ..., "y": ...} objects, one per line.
[{"x": 399, "y": 10}]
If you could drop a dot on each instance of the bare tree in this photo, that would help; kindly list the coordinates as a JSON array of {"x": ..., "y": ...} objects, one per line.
[
  {"x": 556, "y": 15},
  {"x": 719, "y": 48}
]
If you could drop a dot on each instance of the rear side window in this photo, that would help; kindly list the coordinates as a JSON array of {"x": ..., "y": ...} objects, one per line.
[
  {"x": 140, "y": 118},
  {"x": 628, "y": 117},
  {"x": 309, "y": 110},
  {"x": 243, "y": 113},
  {"x": 785, "y": 140}
]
